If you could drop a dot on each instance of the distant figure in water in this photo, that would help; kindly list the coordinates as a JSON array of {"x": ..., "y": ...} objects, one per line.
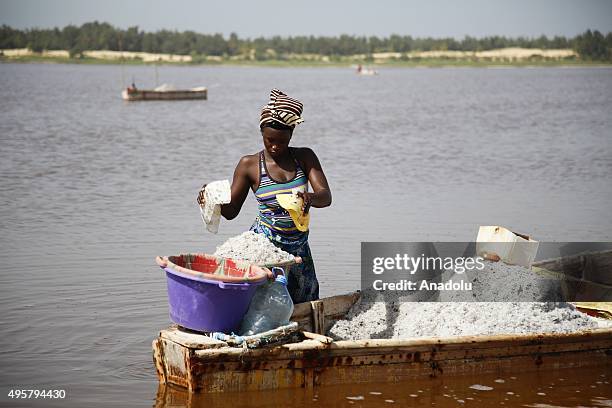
[
  {"x": 359, "y": 69},
  {"x": 277, "y": 169}
]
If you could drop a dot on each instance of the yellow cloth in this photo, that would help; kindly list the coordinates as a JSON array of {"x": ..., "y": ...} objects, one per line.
[{"x": 293, "y": 204}]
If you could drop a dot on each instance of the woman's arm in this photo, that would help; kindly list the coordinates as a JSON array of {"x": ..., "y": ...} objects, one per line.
[
  {"x": 321, "y": 195},
  {"x": 239, "y": 189}
]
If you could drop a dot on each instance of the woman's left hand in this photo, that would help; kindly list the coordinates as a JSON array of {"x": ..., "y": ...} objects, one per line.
[{"x": 307, "y": 199}]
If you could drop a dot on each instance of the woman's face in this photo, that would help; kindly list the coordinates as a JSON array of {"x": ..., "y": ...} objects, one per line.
[{"x": 276, "y": 141}]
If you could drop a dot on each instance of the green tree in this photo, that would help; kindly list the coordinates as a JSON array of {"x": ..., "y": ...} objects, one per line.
[{"x": 592, "y": 46}]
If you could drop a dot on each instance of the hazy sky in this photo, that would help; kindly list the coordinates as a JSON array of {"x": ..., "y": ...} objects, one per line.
[{"x": 251, "y": 18}]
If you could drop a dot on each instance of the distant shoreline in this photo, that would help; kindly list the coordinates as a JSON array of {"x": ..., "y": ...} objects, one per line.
[
  {"x": 429, "y": 63},
  {"x": 507, "y": 57}
]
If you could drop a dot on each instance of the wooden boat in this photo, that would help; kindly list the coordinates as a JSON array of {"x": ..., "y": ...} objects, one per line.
[
  {"x": 367, "y": 72},
  {"x": 202, "y": 364},
  {"x": 361, "y": 70},
  {"x": 134, "y": 94}
]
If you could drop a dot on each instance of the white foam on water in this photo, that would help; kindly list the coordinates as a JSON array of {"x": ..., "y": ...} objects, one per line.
[{"x": 480, "y": 387}]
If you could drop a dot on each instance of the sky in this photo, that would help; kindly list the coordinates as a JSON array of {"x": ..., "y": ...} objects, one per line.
[{"x": 253, "y": 18}]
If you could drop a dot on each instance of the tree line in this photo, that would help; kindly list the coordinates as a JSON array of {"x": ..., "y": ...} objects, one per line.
[{"x": 591, "y": 45}]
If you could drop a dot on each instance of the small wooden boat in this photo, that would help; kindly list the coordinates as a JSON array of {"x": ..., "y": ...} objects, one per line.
[
  {"x": 200, "y": 363},
  {"x": 134, "y": 94},
  {"x": 367, "y": 72}
]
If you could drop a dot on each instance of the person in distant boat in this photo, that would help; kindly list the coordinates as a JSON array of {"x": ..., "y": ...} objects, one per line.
[
  {"x": 131, "y": 88},
  {"x": 359, "y": 68},
  {"x": 279, "y": 169}
]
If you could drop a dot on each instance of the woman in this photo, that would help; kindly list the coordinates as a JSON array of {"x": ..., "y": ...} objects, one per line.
[{"x": 281, "y": 169}]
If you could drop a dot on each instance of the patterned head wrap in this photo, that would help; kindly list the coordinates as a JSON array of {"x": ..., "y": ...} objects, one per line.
[{"x": 282, "y": 109}]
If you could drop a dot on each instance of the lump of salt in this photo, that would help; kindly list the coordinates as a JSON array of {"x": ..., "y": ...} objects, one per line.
[
  {"x": 254, "y": 248},
  {"x": 215, "y": 194}
]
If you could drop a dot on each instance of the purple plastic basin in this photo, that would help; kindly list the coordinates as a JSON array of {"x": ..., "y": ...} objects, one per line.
[{"x": 207, "y": 305}]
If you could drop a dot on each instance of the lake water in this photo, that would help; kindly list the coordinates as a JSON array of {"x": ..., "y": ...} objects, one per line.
[
  {"x": 92, "y": 188},
  {"x": 579, "y": 387}
]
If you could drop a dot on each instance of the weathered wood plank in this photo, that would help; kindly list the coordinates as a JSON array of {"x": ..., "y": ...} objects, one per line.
[
  {"x": 338, "y": 306},
  {"x": 594, "y": 266},
  {"x": 334, "y": 308},
  {"x": 158, "y": 359},
  {"x": 481, "y": 340},
  {"x": 601, "y": 338},
  {"x": 263, "y": 374},
  {"x": 576, "y": 290},
  {"x": 598, "y": 309},
  {"x": 318, "y": 337},
  {"x": 190, "y": 340},
  {"x": 219, "y": 377},
  {"x": 335, "y": 375},
  {"x": 318, "y": 316},
  {"x": 432, "y": 356}
]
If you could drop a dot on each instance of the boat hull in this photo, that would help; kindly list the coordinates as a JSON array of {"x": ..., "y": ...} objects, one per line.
[
  {"x": 200, "y": 364},
  {"x": 146, "y": 95}
]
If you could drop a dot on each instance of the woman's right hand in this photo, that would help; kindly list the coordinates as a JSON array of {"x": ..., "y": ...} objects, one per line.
[{"x": 201, "y": 200}]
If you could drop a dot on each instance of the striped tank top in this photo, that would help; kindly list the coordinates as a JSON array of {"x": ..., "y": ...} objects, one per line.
[{"x": 273, "y": 219}]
